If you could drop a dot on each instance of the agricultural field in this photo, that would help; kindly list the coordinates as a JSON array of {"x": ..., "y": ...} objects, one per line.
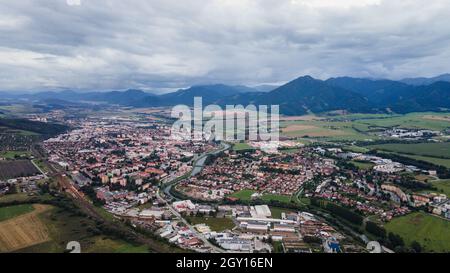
[
  {"x": 353, "y": 127},
  {"x": 22, "y": 197},
  {"x": 18, "y": 168},
  {"x": 363, "y": 165},
  {"x": 439, "y": 150},
  {"x": 430, "y": 121},
  {"x": 14, "y": 211},
  {"x": 355, "y": 149},
  {"x": 24, "y": 230},
  {"x": 63, "y": 226},
  {"x": 216, "y": 224},
  {"x": 433, "y": 160},
  {"x": 323, "y": 130},
  {"x": 430, "y": 231},
  {"x": 443, "y": 186},
  {"x": 18, "y": 109},
  {"x": 242, "y": 147},
  {"x": 14, "y": 154}
]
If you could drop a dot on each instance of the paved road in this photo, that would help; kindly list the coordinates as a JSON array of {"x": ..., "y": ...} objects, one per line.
[{"x": 39, "y": 169}]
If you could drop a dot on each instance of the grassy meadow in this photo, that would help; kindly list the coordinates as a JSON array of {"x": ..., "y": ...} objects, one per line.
[{"x": 428, "y": 230}]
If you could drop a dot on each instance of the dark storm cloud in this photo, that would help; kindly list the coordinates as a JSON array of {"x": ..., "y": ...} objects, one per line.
[{"x": 165, "y": 44}]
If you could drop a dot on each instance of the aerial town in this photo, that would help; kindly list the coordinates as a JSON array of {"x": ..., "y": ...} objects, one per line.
[
  {"x": 208, "y": 196},
  {"x": 225, "y": 135}
]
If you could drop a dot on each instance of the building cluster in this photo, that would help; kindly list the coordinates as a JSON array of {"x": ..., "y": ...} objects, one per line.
[
  {"x": 27, "y": 185},
  {"x": 124, "y": 160},
  {"x": 361, "y": 195},
  {"x": 382, "y": 165},
  {"x": 410, "y": 134},
  {"x": 437, "y": 204},
  {"x": 256, "y": 226},
  {"x": 281, "y": 174},
  {"x": 257, "y": 229}
]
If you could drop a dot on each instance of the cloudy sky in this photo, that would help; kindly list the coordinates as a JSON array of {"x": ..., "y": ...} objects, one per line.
[{"x": 167, "y": 44}]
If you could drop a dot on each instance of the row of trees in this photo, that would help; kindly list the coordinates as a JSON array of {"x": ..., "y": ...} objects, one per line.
[{"x": 342, "y": 212}]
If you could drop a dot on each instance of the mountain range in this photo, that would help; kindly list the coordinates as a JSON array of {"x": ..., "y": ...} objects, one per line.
[
  {"x": 302, "y": 95},
  {"x": 427, "y": 81}
]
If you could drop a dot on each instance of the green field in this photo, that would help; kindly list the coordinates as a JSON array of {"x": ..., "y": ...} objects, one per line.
[
  {"x": 363, "y": 165},
  {"x": 245, "y": 195},
  {"x": 106, "y": 245},
  {"x": 323, "y": 130},
  {"x": 41, "y": 165},
  {"x": 276, "y": 197},
  {"x": 355, "y": 149},
  {"x": 216, "y": 224},
  {"x": 277, "y": 247},
  {"x": 14, "y": 154},
  {"x": 276, "y": 212},
  {"x": 22, "y": 197},
  {"x": 429, "y": 121},
  {"x": 422, "y": 149},
  {"x": 14, "y": 211},
  {"x": 430, "y": 231},
  {"x": 16, "y": 109},
  {"x": 443, "y": 186},
  {"x": 242, "y": 147},
  {"x": 353, "y": 127},
  {"x": 433, "y": 160}
]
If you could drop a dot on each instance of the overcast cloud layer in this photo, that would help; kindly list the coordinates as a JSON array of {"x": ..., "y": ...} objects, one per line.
[{"x": 166, "y": 44}]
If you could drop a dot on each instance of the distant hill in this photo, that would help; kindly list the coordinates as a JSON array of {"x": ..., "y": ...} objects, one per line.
[
  {"x": 427, "y": 81},
  {"x": 300, "y": 96},
  {"x": 376, "y": 91},
  {"x": 113, "y": 97},
  {"x": 209, "y": 93},
  {"x": 308, "y": 94},
  {"x": 265, "y": 88},
  {"x": 433, "y": 97},
  {"x": 397, "y": 96}
]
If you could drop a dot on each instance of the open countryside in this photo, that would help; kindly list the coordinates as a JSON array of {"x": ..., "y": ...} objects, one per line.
[
  {"x": 438, "y": 150},
  {"x": 430, "y": 231}
]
